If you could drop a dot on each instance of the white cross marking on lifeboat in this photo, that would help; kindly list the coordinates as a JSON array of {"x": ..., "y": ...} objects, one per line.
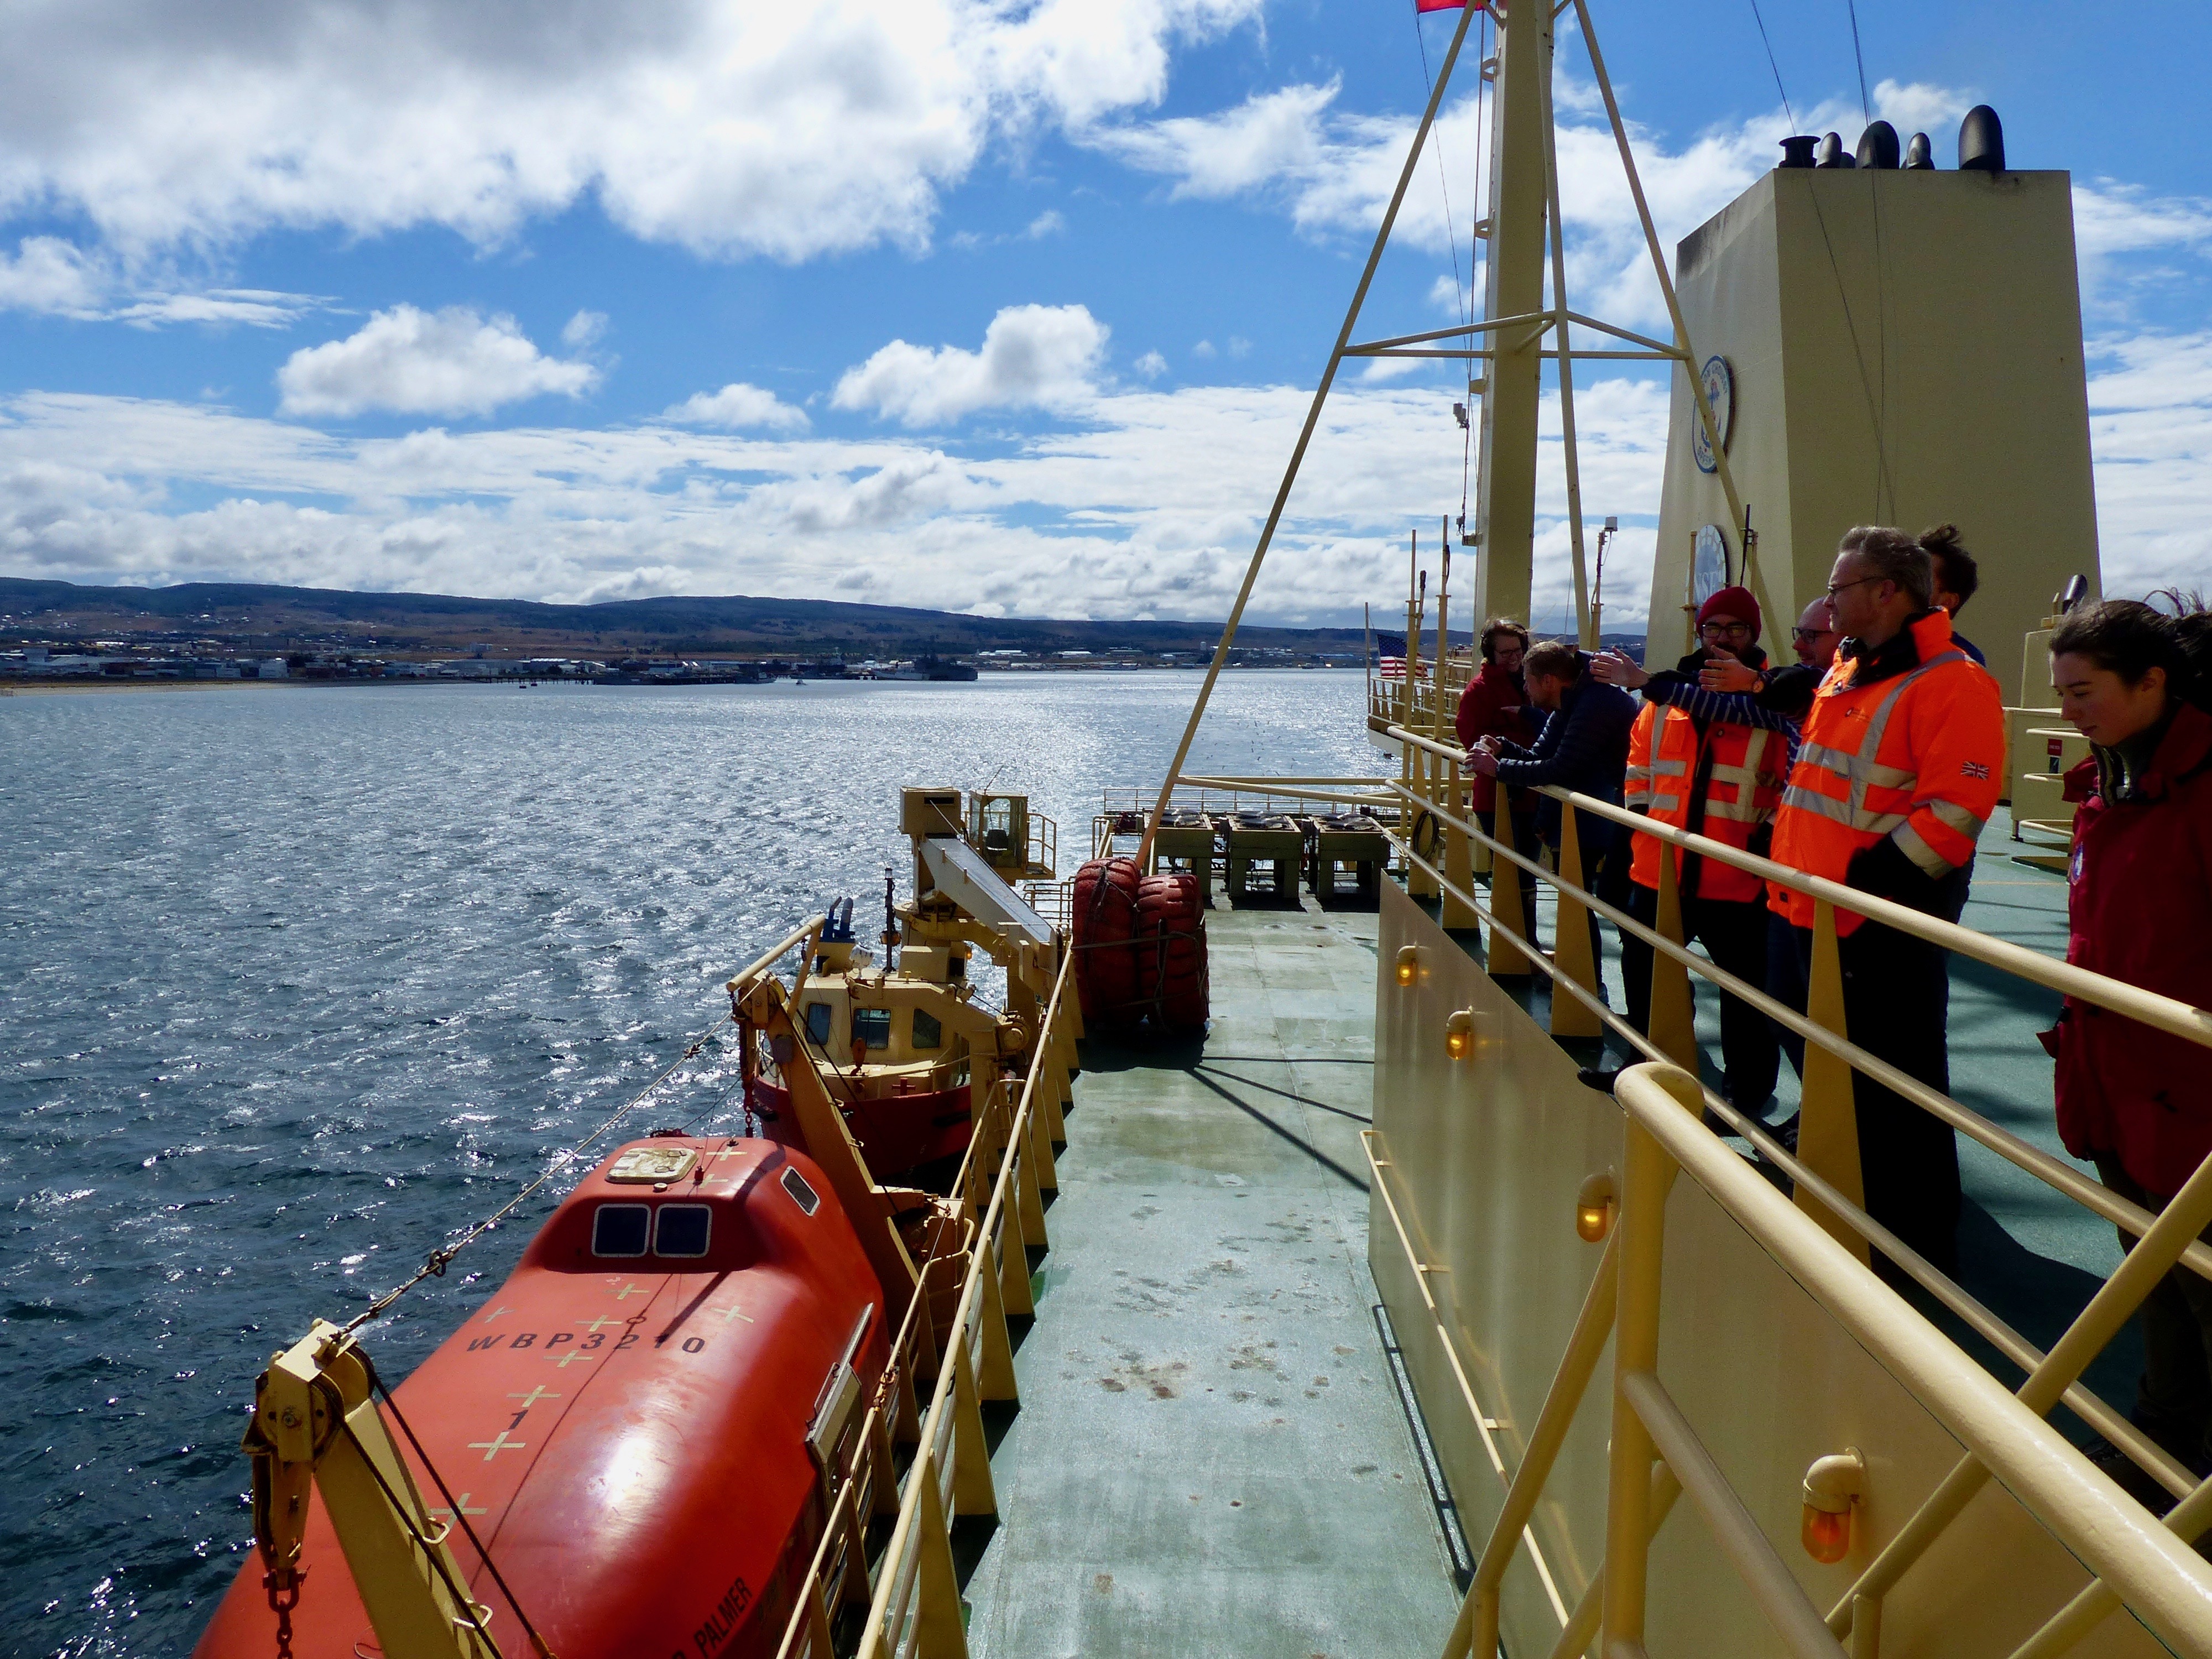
[
  {"x": 496, "y": 1313},
  {"x": 729, "y": 1151},
  {"x": 570, "y": 1358},
  {"x": 734, "y": 1312},
  {"x": 534, "y": 1397},
  {"x": 492, "y": 1449},
  {"x": 596, "y": 1323},
  {"x": 627, "y": 1291},
  {"x": 463, "y": 1500}
]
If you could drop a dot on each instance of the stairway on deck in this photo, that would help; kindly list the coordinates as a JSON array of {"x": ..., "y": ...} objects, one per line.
[{"x": 1210, "y": 1456}]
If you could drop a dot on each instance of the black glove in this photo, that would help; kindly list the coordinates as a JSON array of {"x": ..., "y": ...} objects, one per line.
[{"x": 1884, "y": 870}]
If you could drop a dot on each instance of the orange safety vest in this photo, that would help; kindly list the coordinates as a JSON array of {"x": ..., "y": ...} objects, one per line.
[
  {"x": 1743, "y": 784},
  {"x": 1918, "y": 758}
]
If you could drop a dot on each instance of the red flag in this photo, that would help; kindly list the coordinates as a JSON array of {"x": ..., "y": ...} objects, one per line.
[{"x": 1437, "y": 5}]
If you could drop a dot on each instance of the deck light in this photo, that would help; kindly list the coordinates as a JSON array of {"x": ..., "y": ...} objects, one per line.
[
  {"x": 1408, "y": 964},
  {"x": 1459, "y": 1033},
  {"x": 1832, "y": 1486},
  {"x": 1595, "y": 1207}
]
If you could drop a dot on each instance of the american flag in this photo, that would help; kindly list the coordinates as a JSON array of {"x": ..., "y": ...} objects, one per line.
[{"x": 1394, "y": 668}]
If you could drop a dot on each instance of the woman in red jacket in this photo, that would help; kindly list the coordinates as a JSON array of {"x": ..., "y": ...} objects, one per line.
[
  {"x": 1495, "y": 705},
  {"x": 2139, "y": 910}
]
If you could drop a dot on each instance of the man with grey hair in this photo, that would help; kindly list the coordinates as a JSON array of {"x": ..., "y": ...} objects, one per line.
[{"x": 1901, "y": 763}]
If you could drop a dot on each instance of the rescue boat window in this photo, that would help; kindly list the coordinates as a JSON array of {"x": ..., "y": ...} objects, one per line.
[
  {"x": 802, "y": 1194},
  {"x": 818, "y": 1015},
  {"x": 872, "y": 1026},
  {"x": 928, "y": 1030},
  {"x": 619, "y": 1229},
  {"x": 682, "y": 1229},
  {"x": 956, "y": 966}
]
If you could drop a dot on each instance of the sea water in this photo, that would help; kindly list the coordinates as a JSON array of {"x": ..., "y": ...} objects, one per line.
[{"x": 293, "y": 982}]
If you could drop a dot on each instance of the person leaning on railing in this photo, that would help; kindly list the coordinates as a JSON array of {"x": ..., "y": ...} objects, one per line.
[
  {"x": 1583, "y": 747},
  {"x": 1720, "y": 776},
  {"x": 2138, "y": 1101},
  {"x": 1899, "y": 766},
  {"x": 1495, "y": 705}
]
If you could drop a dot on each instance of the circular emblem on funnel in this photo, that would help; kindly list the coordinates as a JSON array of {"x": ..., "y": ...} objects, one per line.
[{"x": 1720, "y": 391}]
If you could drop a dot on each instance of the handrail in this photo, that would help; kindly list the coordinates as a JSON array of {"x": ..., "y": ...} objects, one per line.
[
  {"x": 2160, "y": 1578},
  {"x": 2034, "y": 1160},
  {"x": 2100, "y": 1417},
  {"x": 914, "y": 1576},
  {"x": 767, "y": 959},
  {"x": 2163, "y": 1013}
]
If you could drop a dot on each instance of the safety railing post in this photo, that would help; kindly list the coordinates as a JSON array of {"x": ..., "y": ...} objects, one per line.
[
  {"x": 1506, "y": 959},
  {"x": 995, "y": 1379},
  {"x": 1422, "y": 766},
  {"x": 1052, "y": 1091},
  {"x": 1672, "y": 1024},
  {"x": 1036, "y": 1138},
  {"x": 973, "y": 1493},
  {"x": 1827, "y": 1122},
  {"x": 1028, "y": 1201},
  {"x": 1648, "y": 1173},
  {"x": 1458, "y": 867},
  {"x": 940, "y": 1632},
  {"x": 1570, "y": 940}
]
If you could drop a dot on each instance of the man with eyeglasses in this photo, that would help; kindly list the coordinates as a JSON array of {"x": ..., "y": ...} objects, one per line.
[
  {"x": 1719, "y": 777},
  {"x": 1900, "y": 764}
]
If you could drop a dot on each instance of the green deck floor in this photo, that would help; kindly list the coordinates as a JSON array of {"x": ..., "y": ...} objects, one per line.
[{"x": 1210, "y": 1456}]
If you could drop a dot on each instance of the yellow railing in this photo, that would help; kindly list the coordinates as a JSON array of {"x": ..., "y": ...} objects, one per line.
[
  {"x": 1825, "y": 1171},
  {"x": 1654, "y": 1455},
  {"x": 912, "y": 1594}
]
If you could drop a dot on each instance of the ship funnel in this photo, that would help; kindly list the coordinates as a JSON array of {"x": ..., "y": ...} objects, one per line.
[
  {"x": 1832, "y": 153},
  {"x": 1878, "y": 146},
  {"x": 1920, "y": 155},
  {"x": 1981, "y": 141},
  {"x": 1797, "y": 151}
]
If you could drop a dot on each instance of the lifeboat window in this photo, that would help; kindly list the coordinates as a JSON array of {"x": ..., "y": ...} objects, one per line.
[
  {"x": 928, "y": 1030},
  {"x": 682, "y": 1229},
  {"x": 818, "y": 1015},
  {"x": 872, "y": 1026},
  {"x": 801, "y": 1194},
  {"x": 956, "y": 966},
  {"x": 619, "y": 1229}
]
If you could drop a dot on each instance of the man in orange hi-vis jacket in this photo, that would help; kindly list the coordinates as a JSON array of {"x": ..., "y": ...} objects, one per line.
[{"x": 1901, "y": 764}]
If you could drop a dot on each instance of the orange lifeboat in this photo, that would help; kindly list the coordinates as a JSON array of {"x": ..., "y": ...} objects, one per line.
[{"x": 642, "y": 1425}]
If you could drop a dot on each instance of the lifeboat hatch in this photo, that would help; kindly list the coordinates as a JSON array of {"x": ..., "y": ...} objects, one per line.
[
  {"x": 840, "y": 1394},
  {"x": 647, "y": 1166}
]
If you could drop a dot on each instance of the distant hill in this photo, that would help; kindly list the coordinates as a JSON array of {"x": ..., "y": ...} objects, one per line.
[{"x": 325, "y": 619}]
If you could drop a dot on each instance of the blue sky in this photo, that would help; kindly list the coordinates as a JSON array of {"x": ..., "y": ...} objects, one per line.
[{"x": 1006, "y": 307}]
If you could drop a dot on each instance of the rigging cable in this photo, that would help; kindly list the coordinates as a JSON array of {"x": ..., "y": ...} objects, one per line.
[
  {"x": 435, "y": 1265},
  {"x": 1843, "y": 293},
  {"x": 1460, "y": 286}
]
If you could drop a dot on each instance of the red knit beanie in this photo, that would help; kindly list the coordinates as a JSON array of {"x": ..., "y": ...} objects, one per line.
[{"x": 1731, "y": 602}]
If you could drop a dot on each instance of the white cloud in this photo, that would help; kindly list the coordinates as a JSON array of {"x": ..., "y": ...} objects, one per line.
[
  {"x": 50, "y": 275},
  {"x": 1203, "y": 349},
  {"x": 1033, "y": 357},
  {"x": 1151, "y": 365},
  {"x": 583, "y": 331},
  {"x": 1050, "y": 222},
  {"x": 729, "y": 127},
  {"x": 53, "y": 276},
  {"x": 1150, "y": 508},
  {"x": 411, "y": 361},
  {"x": 738, "y": 405}
]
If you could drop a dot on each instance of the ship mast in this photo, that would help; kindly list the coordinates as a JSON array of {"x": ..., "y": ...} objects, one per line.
[{"x": 1518, "y": 333}]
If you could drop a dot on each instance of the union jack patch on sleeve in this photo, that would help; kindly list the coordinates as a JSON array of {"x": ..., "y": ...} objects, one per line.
[{"x": 1975, "y": 770}]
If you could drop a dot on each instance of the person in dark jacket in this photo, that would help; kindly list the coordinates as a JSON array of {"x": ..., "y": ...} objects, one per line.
[
  {"x": 1956, "y": 578},
  {"x": 2138, "y": 1101},
  {"x": 1584, "y": 747}
]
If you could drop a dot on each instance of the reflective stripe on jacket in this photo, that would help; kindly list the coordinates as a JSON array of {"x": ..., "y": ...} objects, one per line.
[
  {"x": 1918, "y": 758},
  {"x": 1723, "y": 782}
]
